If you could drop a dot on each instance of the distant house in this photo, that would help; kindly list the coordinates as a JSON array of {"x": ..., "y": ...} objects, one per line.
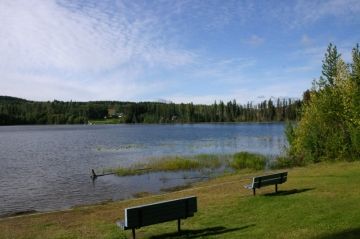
[{"x": 112, "y": 113}]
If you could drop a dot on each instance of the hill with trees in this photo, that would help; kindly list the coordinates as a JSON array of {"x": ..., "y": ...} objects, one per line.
[{"x": 15, "y": 111}]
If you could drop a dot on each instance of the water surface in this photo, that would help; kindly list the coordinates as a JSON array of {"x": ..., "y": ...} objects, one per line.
[{"x": 46, "y": 168}]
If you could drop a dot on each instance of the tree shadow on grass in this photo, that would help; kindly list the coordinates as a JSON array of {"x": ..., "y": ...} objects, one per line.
[
  {"x": 288, "y": 192},
  {"x": 200, "y": 233},
  {"x": 346, "y": 234}
]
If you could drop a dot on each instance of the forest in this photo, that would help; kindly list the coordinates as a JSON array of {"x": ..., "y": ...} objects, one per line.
[{"x": 16, "y": 111}]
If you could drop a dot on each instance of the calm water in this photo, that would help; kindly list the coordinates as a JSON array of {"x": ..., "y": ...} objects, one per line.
[{"x": 47, "y": 167}]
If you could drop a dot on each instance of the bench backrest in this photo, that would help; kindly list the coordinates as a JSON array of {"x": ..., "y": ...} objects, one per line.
[
  {"x": 136, "y": 217},
  {"x": 271, "y": 179}
]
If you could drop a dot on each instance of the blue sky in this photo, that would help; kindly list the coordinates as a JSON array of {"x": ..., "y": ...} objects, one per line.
[{"x": 182, "y": 51}]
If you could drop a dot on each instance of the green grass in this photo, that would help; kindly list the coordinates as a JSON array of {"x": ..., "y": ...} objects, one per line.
[
  {"x": 319, "y": 201},
  {"x": 238, "y": 161},
  {"x": 171, "y": 163},
  {"x": 245, "y": 160},
  {"x": 106, "y": 121}
]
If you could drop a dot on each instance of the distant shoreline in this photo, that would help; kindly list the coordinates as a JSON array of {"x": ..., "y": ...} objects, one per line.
[
  {"x": 16, "y": 111},
  {"x": 194, "y": 123}
]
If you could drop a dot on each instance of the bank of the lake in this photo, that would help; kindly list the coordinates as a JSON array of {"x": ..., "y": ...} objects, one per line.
[{"x": 319, "y": 201}]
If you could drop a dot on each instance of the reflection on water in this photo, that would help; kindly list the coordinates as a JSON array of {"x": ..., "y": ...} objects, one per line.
[{"x": 47, "y": 167}]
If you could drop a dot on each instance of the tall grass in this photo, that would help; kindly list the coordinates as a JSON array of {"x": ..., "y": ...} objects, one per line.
[
  {"x": 237, "y": 161},
  {"x": 248, "y": 160},
  {"x": 171, "y": 163}
]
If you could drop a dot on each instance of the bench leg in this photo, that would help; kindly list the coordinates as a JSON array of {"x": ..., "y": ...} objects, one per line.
[
  {"x": 254, "y": 192},
  {"x": 133, "y": 232},
  {"x": 179, "y": 229},
  {"x": 276, "y": 188}
]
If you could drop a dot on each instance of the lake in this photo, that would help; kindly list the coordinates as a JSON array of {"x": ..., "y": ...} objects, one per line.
[{"x": 44, "y": 168}]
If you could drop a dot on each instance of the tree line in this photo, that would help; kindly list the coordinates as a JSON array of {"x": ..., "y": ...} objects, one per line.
[{"x": 14, "y": 111}]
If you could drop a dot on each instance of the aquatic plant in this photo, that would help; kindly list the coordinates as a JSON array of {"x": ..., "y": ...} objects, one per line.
[
  {"x": 171, "y": 163},
  {"x": 237, "y": 161}
]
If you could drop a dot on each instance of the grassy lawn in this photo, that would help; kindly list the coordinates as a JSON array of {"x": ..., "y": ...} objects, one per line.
[
  {"x": 319, "y": 201},
  {"x": 106, "y": 121}
]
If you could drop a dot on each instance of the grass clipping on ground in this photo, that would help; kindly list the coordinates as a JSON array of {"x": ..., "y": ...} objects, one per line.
[{"x": 318, "y": 202}]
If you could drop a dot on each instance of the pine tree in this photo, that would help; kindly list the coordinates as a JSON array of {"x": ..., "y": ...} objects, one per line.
[{"x": 329, "y": 66}]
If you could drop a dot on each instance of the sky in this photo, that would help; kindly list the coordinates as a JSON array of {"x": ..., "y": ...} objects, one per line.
[{"x": 197, "y": 51}]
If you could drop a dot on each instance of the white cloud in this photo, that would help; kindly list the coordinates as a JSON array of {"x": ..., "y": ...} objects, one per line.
[
  {"x": 45, "y": 87},
  {"x": 308, "y": 12},
  {"x": 300, "y": 69},
  {"x": 248, "y": 93},
  {"x": 37, "y": 34},
  {"x": 226, "y": 82},
  {"x": 132, "y": 50},
  {"x": 222, "y": 70},
  {"x": 55, "y": 46},
  {"x": 306, "y": 40},
  {"x": 255, "y": 40}
]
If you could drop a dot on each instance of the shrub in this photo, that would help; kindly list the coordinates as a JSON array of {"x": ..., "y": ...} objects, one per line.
[
  {"x": 244, "y": 160},
  {"x": 287, "y": 162}
]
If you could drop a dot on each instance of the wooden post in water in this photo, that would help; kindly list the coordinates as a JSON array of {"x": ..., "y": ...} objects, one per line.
[{"x": 93, "y": 174}]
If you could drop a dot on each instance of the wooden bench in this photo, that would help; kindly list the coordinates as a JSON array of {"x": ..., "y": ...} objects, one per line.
[
  {"x": 266, "y": 180},
  {"x": 148, "y": 214}
]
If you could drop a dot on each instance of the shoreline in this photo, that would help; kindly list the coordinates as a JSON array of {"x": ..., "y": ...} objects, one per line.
[
  {"x": 220, "y": 165},
  {"x": 94, "y": 205},
  {"x": 176, "y": 123},
  {"x": 223, "y": 203}
]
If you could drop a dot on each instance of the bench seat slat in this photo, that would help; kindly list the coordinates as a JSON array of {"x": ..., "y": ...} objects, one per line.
[
  {"x": 266, "y": 180},
  {"x": 276, "y": 175},
  {"x": 149, "y": 214}
]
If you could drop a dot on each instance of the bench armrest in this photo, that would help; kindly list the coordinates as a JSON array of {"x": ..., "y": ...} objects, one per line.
[
  {"x": 121, "y": 224},
  {"x": 249, "y": 186}
]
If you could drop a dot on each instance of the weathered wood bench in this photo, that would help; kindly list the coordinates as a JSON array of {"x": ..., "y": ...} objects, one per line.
[
  {"x": 266, "y": 180},
  {"x": 148, "y": 214}
]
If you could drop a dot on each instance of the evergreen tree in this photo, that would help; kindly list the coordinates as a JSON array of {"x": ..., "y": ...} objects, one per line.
[{"x": 329, "y": 67}]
